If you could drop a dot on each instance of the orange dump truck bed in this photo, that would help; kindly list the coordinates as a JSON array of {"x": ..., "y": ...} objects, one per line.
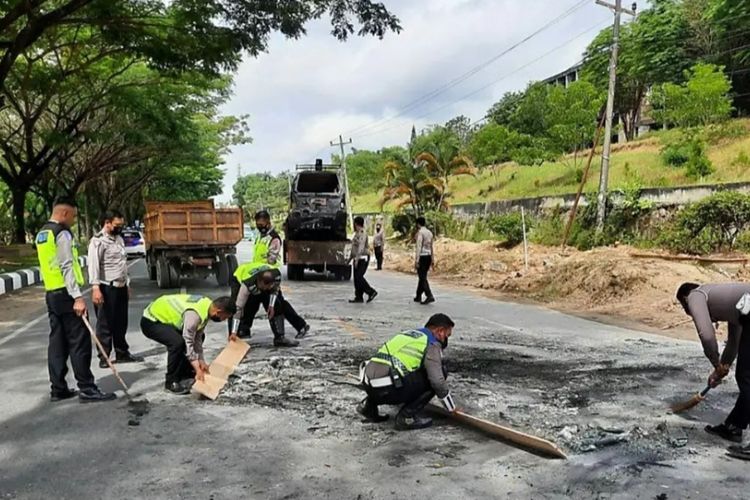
[{"x": 190, "y": 224}]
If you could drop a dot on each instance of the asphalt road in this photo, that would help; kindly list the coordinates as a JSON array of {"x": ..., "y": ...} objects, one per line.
[{"x": 283, "y": 430}]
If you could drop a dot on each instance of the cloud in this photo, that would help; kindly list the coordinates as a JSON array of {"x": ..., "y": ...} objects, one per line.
[{"x": 304, "y": 93}]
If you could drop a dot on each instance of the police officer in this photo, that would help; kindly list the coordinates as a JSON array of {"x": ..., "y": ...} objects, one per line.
[
  {"x": 423, "y": 261},
  {"x": 108, "y": 276},
  {"x": 408, "y": 370},
  {"x": 711, "y": 303},
  {"x": 378, "y": 243},
  {"x": 178, "y": 322},
  {"x": 262, "y": 285},
  {"x": 63, "y": 278},
  {"x": 266, "y": 251},
  {"x": 361, "y": 259}
]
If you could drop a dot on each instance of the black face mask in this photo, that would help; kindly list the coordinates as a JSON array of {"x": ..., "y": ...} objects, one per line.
[
  {"x": 444, "y": 342},
  {"x": 263, "y": 229},
  {"x": 215, "y": 318},
  {"x": 116, "y": 230}
]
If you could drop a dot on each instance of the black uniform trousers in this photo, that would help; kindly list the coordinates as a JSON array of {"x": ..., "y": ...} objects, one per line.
[
  {"x": 112, "y": 320},
  {"x": 68, "y": 338},
  {"x": 740, "y": 415},
  {"x": 379, "y": 257},
  {"x": 282, "y": 308},
  {"x": 423, "y": 286},
  {"x": 415, "y": 392},
  {"x": 178, "y": 365},
  {"x": 361, "y": 286}
]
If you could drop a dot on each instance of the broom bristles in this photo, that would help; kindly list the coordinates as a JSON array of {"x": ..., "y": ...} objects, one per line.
[{"x": 686, "y": 405}]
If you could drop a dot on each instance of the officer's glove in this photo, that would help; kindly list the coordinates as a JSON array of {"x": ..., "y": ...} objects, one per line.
[{"x": 448, "y": 403}]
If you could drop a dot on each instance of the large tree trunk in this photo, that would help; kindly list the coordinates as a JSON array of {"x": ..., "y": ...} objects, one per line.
[{"x": 19, "y": 213}]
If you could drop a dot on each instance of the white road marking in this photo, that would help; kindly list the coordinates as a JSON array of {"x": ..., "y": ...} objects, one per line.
[
  {"x": 36, "y": 321},
  {"x": 501, "y": 325}
]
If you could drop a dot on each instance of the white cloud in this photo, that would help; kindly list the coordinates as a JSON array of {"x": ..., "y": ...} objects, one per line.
[{"x": 303, "y": 93}]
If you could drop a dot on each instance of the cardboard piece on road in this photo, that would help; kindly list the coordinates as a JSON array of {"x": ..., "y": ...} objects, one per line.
[
  {"x": 221, "y": 368},
  {"x": 507, "y": 434}
]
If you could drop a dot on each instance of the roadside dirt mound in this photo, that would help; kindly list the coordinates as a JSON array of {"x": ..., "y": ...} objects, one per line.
[{"x": 604, "y": 281}]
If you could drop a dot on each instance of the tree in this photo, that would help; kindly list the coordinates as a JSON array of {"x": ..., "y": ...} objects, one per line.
[
  {"x": 209, "y": 35},
  {"x": 732, "y": 50},
  {"x": 571, "y": 116},
  {"x": 530, "y": 114},
  {"x": 702, "y": 100},
  {"x": 407, "y": 184},
  {"x": 494, "y": 144},
  {"x": 440, "y": 154},
  {"x": 264, "y": 191},
  {"x": 462, "y": 128},
  {"x": 364, "y": 169},
  {"x": 502, "y": 111}
]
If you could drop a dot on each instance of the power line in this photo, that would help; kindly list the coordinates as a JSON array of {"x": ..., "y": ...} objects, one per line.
[
  {"x": 461, "y": 78},
  {"x": 494, "y": 82}
]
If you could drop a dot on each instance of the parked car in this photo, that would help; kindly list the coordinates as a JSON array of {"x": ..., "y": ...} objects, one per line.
[{"x": 134, "y": 243}]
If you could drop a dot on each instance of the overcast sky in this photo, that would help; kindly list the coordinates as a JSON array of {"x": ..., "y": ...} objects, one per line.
[{"x": 304, "y": 93}]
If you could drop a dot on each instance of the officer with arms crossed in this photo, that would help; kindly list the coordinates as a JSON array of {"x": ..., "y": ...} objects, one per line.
[
  {"x": 63, "y": 277},
  {"x": 408, "y": 370},
  {"x": 178, "y": 322},
  {"x": 110, "y": 292}
]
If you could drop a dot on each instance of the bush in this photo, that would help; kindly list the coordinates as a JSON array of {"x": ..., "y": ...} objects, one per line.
[
  {"x": 712, "y": 224},
  {"x": 699, "y": 166},
  {"x": 688, "y": 151},
  {"x": 742, "y": 160},
  {"x": 508, "y": 227},
  {"x": 403, "y": 223},
  {"x": 675, "y": 154}
]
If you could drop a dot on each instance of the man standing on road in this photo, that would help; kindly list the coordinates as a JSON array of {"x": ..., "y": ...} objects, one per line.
[
  {"x": 178, "y": 322},
  {"x": 63, "y": 278},
  {"x": 423, "y": 261},
  {"x": 708, "y": 304},
  {"x": 108, "y": 276},
  {"x": 361, "y": 257},
  {"x": 262, "y": 285},
  {"x": 266, "y": 252},
  {"x": 408, "y": 370},
  {"x": 378, "y": 243}
]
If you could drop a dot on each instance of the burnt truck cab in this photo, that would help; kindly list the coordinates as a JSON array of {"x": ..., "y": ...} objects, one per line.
[
  {"x": 317, "y": 207},
  {"x": 316, "y": 224}
]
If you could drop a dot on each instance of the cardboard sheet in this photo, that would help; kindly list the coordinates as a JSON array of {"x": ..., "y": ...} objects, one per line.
[{"x": 221, "y": 368}]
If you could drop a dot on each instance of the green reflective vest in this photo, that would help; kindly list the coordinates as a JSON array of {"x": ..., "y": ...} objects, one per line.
[
  {"x": 248, "y": 269},
  {"x": 405, "y": 352},
  {"x": 261, "y": 246},
  {"x": 49, "y": 266},
  {"x": 168, "y": 309}
]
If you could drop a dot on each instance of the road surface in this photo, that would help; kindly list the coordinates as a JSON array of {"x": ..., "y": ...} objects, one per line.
[{"x": 286, "y": 427}]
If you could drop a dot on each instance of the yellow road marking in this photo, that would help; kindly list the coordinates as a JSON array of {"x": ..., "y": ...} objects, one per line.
[{"x": 352, "y": 329}]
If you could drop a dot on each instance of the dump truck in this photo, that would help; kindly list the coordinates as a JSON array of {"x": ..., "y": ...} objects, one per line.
[
  {"x": 316, "y": 226},
  {"x": 191, "y": 239}
]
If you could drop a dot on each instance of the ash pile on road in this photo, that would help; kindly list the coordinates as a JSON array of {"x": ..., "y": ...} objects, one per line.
[{"x": 581, "y": 401}]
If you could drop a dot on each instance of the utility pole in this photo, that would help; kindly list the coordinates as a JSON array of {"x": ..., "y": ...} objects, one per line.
[
  {"x": 341, "y": 144},
  {"x": 601, "y": 200}
]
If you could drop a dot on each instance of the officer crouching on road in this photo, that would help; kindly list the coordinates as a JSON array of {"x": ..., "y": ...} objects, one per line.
[
  {"x": 110, "y": 292},
  {"x": 63, "y": 278},
  {"x": 408, "y": 370},
  {"x": 178, "y": 322}
]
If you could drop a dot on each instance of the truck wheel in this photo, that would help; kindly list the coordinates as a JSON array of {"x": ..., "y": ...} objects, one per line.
[
  {"x": 295, "y": 272},
  {"x": 174, "y": 275},
  {"x": 233, "y": 264},
  {"x": 222, "y": 271},
  {"x": 162, "y": 273},
  {"x": 151, "y": 267}
]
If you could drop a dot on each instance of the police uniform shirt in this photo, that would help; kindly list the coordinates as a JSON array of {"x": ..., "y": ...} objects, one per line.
[{"x": 108, "y": 262}]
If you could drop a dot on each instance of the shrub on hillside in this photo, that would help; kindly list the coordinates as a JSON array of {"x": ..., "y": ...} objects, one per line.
[
  {"x": 688, "y": 151},
  {"x": 508, "y": 227},
  {"x": 403, "y": 223}
]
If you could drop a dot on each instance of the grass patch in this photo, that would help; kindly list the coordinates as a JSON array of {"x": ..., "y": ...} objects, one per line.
[{"x": 14, "y": 263}]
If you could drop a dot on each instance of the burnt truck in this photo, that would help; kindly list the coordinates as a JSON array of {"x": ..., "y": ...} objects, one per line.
[
  {"x": 191, "y": 239},
  {"x": 316, "y": 225}
]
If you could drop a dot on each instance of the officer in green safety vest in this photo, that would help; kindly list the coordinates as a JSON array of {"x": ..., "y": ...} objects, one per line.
[
  {"x": 178, "y": 322},
  {"x": 408, "y": 370},
  {"x": 63, "y": 278}
]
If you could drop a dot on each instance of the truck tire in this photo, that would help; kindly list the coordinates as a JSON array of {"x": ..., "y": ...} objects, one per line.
[
  {"x": 151, "y": 267},
  {"x": 163, "y": 273},
  {"x": 174, "y": 275},
  {"x": 222, "y": 271},
  {"x": 233, "y": 264},
  {"x": 295, "y": 272}
]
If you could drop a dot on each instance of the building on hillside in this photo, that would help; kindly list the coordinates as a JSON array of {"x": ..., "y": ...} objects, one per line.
[{"x": 565, "y": 78}]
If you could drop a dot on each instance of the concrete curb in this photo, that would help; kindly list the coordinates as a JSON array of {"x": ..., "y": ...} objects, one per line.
[{"x": 23, "y": 278}]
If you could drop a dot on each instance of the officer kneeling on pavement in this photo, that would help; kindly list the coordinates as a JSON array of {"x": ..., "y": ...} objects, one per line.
[
  {"x": 408, "y": 370},
  {"x": 177, "y": 321}
]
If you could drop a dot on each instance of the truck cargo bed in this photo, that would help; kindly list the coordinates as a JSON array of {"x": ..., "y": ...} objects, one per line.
[{"x": 192, "y": 224}]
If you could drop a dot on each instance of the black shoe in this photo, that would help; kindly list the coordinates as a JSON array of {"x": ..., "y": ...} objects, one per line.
[
  {"x": 284, "y": 342},
  {"x": 61, "y": 396},
  {"x": 103, "y": 363},
  {"x": 356, "y": 301},
  {"x": 177, "y": 388},
  {"x": 372, "y": 296},
  {"x": 126, "y": 357},
  {"x": 726, "y": 431},
  {"x": 370, "y": 411},
  {"x": 411, "y": 422},
  {"x": 428, "y": 300},
  {"x": 417, "y": 299},
  {"x": 304, "y": 331},
  {"x": 244, "y": 335},
  {"x": 95, "y": 396}
]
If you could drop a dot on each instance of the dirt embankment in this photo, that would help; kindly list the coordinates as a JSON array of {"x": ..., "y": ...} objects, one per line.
[{"x": 608, "y": 283}]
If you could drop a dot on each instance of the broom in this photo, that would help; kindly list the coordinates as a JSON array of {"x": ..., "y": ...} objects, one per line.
[{"x": 686, "y": 405}]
